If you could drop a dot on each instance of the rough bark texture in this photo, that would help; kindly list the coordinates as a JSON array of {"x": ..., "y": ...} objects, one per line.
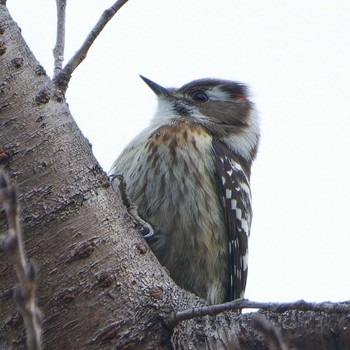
[
  {"x": 99, "y": 285},
  {"x": 91, "y": 262}
]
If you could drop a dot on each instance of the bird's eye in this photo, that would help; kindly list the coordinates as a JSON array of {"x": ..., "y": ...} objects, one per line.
[{"x": 200, "y": 96}]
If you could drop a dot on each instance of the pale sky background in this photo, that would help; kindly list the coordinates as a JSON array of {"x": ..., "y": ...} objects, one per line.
[{"x": 294, "y": 55}]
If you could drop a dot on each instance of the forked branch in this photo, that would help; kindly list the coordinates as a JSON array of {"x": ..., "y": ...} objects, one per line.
[{"x": 63, "y": 78}]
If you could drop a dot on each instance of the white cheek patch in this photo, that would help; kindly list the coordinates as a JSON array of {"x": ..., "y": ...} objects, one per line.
[
  {"x": 216, "y": 94},
  {"x": 244, "y": 142}
]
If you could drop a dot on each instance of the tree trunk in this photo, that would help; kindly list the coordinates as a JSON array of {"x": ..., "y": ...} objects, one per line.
[
  {"x": 95, "y": 271},
  {"x": 99, "y": 284}
]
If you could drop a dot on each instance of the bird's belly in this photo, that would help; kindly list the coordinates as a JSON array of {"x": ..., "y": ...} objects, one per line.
[{"x": 173, "y": 183}]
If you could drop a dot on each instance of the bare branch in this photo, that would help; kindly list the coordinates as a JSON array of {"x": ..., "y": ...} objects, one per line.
[
  {"x": 24, "y": 293},
  {"x": 240, "y": 304},
  {"x": 64, "y": 77},
  {"x": 58, "y": 51},
  {"x": 271, "y": 333}
]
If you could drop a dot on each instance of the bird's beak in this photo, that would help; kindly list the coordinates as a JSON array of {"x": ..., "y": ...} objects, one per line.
[{"x": 157, "y": 89}]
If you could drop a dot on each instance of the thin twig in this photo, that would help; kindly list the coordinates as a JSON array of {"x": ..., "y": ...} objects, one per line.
[
  {"x": 58, "y": 51},
  {"x": 240, "y": 304},
  {"x": 64, "y": 77},
  {"x": 271, "y": 333},
  {"x": 132, "y": 208},
  {"x": 24, "y": 293}
]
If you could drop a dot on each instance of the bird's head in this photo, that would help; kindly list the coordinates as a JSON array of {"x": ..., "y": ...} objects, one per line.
[{"x": 222, "y": 107}]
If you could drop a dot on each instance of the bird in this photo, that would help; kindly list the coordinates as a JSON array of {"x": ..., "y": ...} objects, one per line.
[{"x": 189, "y": 174}]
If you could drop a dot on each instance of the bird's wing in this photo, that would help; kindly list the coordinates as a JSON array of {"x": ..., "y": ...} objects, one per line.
[{"x": 234, "y": 191}]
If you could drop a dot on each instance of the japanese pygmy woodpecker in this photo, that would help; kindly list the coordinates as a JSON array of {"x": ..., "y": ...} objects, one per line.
[{"x": 188, "y": 172}]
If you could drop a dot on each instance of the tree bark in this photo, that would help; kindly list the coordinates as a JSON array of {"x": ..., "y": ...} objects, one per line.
[
  {"x": 99, "y": 284},
  {"x": 98, "y": 281}
]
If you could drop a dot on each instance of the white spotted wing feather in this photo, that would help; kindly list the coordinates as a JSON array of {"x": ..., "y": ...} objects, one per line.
[{"x": 233, "y": 185}]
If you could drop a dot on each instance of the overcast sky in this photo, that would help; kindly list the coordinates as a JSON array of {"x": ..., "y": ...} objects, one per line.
[{"x": 294, "y": 55}]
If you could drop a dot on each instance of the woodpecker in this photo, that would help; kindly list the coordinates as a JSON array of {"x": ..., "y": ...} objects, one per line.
[{"x": 189, "y": 174}]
